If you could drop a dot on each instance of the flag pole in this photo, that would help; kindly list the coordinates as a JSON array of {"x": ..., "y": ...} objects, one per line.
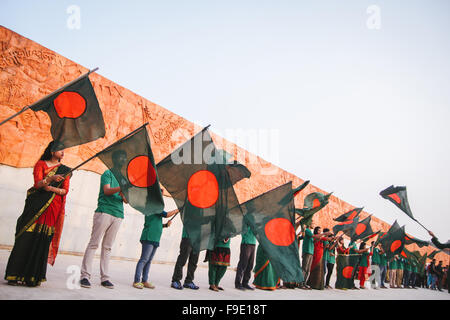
[
  {"x": 48, "y": 95},
  {"x": 106, "y": 149},
  {"x": 421, "y": 225}
]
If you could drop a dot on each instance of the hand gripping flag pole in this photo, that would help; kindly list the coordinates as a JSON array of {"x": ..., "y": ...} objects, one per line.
[{"x": 49, "y": 95}]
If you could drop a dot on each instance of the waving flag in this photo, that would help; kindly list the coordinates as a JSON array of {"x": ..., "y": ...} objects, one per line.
[
  {"x": 393, "y": 241},
  {"x": 347, "y": 227},
  {"x": 346, "y": 269},
  {"x": 398, "y": 196},
  {"x": 349, "y": 215},
  {"x": 313, "y": 203},
  {"x": 362, "y": 229},
  {"x": 131, "y": 161},
  {"x": 271, "y": 218},
  {"x": 200, "y": 180},
  {"x": 74, "y": 113},
  {"x": 421, "y": 243}
]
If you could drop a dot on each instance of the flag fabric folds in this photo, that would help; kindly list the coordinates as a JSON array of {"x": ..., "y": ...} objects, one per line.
[
  {"x": 347, "y": 227},
  {"x": 398, "y": 196},
  {"x": 75, "y": 114},
  {"x": 410, "y": 240},
  {"x": 349, "y": 215},
  {"x": 346, "y": 269},
  {"x": 393, "y": 241},
  {"x": 200, "y": 179},
  {"x": 271, "y": 218},
  {"x": 362, "y": 229},
  {"x": 131, "y": 161},
  {"x": 313, "y": 203}
]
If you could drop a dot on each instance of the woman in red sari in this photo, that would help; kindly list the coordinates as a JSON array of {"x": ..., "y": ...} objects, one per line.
[
  {"x": 316, "y": 277},
  {"x": 39, "y": 228}
]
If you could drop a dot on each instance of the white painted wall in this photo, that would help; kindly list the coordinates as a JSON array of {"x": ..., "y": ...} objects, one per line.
[{"x": 80, "y": 206}]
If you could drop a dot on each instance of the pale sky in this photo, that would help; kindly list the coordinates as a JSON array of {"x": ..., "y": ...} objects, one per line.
[{"x": 357, "y": 91}]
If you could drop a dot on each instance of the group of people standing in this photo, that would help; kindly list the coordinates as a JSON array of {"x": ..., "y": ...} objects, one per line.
[{"x": 39, "y": 229}]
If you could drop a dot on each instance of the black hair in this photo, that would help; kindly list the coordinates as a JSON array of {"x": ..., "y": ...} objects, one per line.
[
  {"x": 316, "y": 230},
  {"x": 362, "y": 245},
  {"x": 47, "y": 155}
]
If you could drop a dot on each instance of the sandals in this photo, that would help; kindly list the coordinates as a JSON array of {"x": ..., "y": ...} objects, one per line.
[{"x": 138, "y": 285}]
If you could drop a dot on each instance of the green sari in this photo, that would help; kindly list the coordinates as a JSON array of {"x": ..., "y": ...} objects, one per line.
[{"x": 265, "y": 277}]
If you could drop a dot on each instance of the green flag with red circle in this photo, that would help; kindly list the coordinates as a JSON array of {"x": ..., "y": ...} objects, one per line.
[
  {"x": 362, "y": 229},
  {"x": 393, "y": 241},
  {"x": 346, "y": 269},
  {"x": 271, "y": 218},
  {"x": 398, "y": 196},
  {"x": 131, "y": 161},
  {"x": 200, "y": 179},
  {"x": 75, "y": 115},
  {"x": 313, "y": 203},
  {"x": 349, "y": 215}
]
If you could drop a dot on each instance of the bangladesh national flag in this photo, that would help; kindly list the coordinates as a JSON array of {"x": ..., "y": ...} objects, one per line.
[
  {"x": 398, "y": 196},
  {"x": 271, "y": 218},
  {"x": 421, "y": 243},
  {"x": 349, "y": 215},
  {"x": 74, "y": 113},
  {"x": 131, "y": 161},
  {"x": 346, "y": 269},
  {"x": 348, "y": 227},
  {"x": 393, "y": 241},
  {"x": 313, "y": 203},
  {"x": 373, "y": 235},
  {"x": 200, "y": 179},
  {"x": 362, "y": 229}
]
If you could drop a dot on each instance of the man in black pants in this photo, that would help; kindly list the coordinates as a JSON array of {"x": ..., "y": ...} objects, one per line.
[
  {"x": 441, "y": 246},
  {"x": 186, "y": 252},
  {"x": 246, "y": 259}
]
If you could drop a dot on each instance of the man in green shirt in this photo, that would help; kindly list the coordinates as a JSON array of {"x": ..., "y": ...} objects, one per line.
[
  {"x": 246, "y": 259},
  {"x": 150, "y": 237},
  {"x": 107, "y": 220},
  {"x": 308, "y": 251}
]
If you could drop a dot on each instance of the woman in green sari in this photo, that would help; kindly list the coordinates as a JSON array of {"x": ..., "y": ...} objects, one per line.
[
  {"x": 39, "y": 228},
  {"x": 265, "y": 277}
]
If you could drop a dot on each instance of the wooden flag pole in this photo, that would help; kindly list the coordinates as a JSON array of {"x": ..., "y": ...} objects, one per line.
[
  {"x": 421, "y": 225},
  {"x": 48, "y": 95}
]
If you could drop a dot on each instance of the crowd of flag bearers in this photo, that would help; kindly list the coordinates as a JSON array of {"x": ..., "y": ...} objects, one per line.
[{"x": 200, "y": 178}]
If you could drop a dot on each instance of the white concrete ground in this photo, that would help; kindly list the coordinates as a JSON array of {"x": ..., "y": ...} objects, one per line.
[{"x": 61, "y": 284}]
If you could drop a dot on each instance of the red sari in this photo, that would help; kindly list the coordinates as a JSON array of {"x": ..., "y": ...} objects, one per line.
[
  {"x": 38, "y": 229},
  {"x": 54, "y": 215},
  {"x": 316, "y": 277}
]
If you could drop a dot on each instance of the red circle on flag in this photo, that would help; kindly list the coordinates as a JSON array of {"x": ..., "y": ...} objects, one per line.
[
  {"x": 395, "y": 245},
  {"x": 403, "y": 254},
  {"x": 395, "y": 197},
  {"x": 352, "y": 215},
  {"x": 347, "y": 272},
  {"x": 203, "y": 189},
  {"x": 345, "y": 222},
  {"x": 360, "y": 228},
  {"x": 69, "y": 104},
  {"x": 316, "y": 203},
  {"x": 280, "y": 232},
  {"x": 141, "y": 172}
]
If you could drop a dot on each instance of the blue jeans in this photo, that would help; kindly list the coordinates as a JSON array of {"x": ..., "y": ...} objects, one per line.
[{"x": 143, "y": 265}]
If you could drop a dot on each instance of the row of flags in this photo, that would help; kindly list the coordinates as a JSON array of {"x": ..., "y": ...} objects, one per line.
[{"x": 201, "y": 178}]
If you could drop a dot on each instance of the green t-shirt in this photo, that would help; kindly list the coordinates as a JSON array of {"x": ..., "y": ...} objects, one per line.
[
  {"x": 376, "y": 257},
  {"x": 112, "y": 204},
  {"x": 408, "y": 266},
  {"x": 248, "y": 237},
  {"x": 352, "y": 247},
  {"x": 401, "y": 264},
  {"x": 414, "y": 268},
  {"x": 153, "y": 228},
  {"x": 393, "y": 265},
  {"x": 308, "y": 242},
  {"x": 383, "y": 259},
  {"x": 327, "y": 254},
  {"x": 223, "y": 244},
  {"x": 363, "y": 261}
]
